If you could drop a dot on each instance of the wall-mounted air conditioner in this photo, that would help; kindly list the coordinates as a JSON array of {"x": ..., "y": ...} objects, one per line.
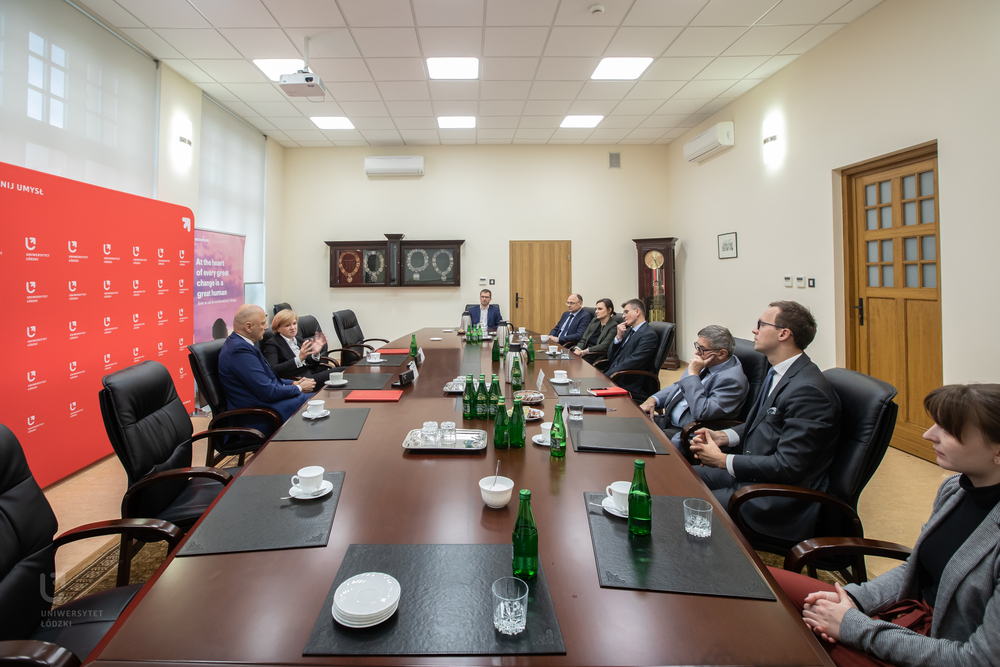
[
  {"x": 395, "y": 165},
  {"x": 715, "y": 139}
]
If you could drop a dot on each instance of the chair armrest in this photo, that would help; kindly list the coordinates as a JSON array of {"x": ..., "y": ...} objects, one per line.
[
  {"x": 217, "y": 474},
  {"x": 381, "y": 340},
  {"x": 646, "y": 373},
  {"x": 602, "y": 364},
  {"x": 273, "y": 415},
  {"x": 32, "y": 653},
  {"x": 150, "y": 530},
  {"x": 751, "y": 491},
  {"x": 805, "y": 552},
  {"x": 232, "y": 430},
  {"x": 711, "y": 424}
]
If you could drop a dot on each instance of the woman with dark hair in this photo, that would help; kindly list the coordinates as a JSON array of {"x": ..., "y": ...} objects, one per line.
[
  {"x": 219, "y": 329},
  {"x": 598, "y": 335},
  {"x": 289, "y": 354},
  {"x": 941, "y": 606}
]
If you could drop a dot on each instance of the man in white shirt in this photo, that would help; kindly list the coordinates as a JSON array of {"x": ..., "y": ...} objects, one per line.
[{"x": 488, "y": 314}]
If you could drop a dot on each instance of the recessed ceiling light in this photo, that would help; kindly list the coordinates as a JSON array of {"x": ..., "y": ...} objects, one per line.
[
  {"x": 332, "y": 122},
  {"x": 452, "y": 122},
  {"x": 273, "y": 68},
  {"x": 621, "y": 68},
  {"x": 453, "y": 68},
  {"x": 581, "y": 121}
]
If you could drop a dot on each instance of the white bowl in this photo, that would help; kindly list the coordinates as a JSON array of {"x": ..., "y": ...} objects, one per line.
[{"x": 496, "y": 495}]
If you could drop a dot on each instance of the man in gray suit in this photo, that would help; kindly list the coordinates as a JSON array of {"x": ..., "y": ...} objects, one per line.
[
  {"x": 713, "y": 387},
  {"x": 789, "y": 435}
]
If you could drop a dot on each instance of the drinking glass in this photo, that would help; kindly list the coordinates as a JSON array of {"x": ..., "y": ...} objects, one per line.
[
  {"x": 510, "y": 605},
  {"x": 698, "y": 517},
  {"x": 575, "y": 412},
  {"x": 429, "y": 434},
  {"x": 447, "y": 433},
  {"x": 574, "y": 386}
]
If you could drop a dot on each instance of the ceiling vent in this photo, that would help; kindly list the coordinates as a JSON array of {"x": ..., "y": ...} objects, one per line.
[{"x": 614, "y": 160}]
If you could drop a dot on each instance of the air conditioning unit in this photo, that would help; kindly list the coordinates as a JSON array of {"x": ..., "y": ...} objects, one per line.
[
  {"x": 394, "y": 165},
  {"x": 715, "y": 139}
]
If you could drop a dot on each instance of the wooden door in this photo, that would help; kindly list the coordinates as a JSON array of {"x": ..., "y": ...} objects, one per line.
[
  {"x": 541, "y": 277},
  {"x": 894, "y": 284}
]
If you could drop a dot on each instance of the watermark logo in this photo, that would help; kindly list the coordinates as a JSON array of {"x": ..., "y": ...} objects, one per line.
[
  {"x": 29, "y": 242},
  {"x": 31, "y": 331},
  {"x": 30, "y": 286},
  {"x": 71, "y": 245}
]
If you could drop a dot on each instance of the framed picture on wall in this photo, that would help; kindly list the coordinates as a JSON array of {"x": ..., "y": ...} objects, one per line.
[
  {"x": 727, "y": 246},
  {"x": 430, "y": 263}
]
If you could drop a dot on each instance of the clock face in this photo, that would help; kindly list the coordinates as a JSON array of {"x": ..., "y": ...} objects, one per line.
[{"x": 654, "y": 259}]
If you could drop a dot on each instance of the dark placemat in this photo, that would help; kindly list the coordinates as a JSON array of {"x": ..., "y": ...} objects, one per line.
[
  {"x": 585, "y": 384},
  {"x": 251, "y": 517},
  {"x": 472, "y": 360},
  {"x": 596, "y": 433},
  {"x": 668, "y": 559},
  {"x": 388, "y": 360},
  {"x": 342, "y": 424},
  {"x": 445, "y": 605},
  {"x": 589, "y": 403},
  {"x": 364, "y": 381}
]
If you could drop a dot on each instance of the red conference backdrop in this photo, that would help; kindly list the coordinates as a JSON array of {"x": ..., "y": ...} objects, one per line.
[
  {"x": 218, "y": 282},
  {"x": 94, "y": 281}
]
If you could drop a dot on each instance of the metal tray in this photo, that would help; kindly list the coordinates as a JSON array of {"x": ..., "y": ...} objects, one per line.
[
  {"x": 455, "y": 387},
  {"x": 465, "y": 440}
]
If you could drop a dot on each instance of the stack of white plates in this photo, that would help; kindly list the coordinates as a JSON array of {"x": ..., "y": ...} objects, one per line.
[{"x": 365, "y": 600}]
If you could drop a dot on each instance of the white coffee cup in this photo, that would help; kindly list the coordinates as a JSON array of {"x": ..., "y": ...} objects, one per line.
[
  {"x": 520, "y": 330},
  {"x": 560, "y": 375},
  {"x": 375, "y": 356},
  {"x": 618, "y": 492},
  {"x": 337, "y": 376},
  {"x": 316, "y": 407},
  {"x": 309, "y": 479},
  {"x": 544, "y": 338},
  {"x": 546, "y": 428},
  {"x": 553, "y": 349}
]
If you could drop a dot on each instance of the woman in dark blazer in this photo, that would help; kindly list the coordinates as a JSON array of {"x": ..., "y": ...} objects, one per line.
[
  {"x": 599, "y": 333},
  {"x": 949, "y": 587},
  {"x": 303, "y": 361}
]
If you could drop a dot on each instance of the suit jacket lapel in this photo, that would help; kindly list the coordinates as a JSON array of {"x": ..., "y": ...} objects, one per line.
[{"x": 773, "y": 396}]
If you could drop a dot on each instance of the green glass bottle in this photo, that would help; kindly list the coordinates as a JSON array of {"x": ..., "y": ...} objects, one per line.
[
  {"x": 525, "y": 538},
  {"x": 495, "y": 354},
  {"x": 557, "y": 435},
  {"x": 500, "y": 425},
  {"x": 516, "y": 378},
  {"x": 640, "y": 503},
  {"x": 469, "y": 399},
  {"x": 413, "y": 345},
  {"x": 531, "y": 350},
  {"x": 517, "y": 429},
  {"x": 492, "y": 396},
  {"x": 482, "y": 407}
]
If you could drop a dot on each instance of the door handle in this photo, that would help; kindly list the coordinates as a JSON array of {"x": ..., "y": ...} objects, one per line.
[
  {"x": 517, "y": 300},
  {"x": 861, "y": 311}
]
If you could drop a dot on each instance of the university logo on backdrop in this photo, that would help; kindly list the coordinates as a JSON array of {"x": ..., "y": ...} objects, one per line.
[
  {"x": 72, "y": 406},
  {"x": 159, "y": 283},
  {"x": 107, "y": 358},
  {"x": 159, "y": 253},
  {"x": 182, "y": 254},
  {"x": 72, "y": 366},
  {"x": 107, "y": 248},
  {"x": 30, "y": 286},
  {"x": 31, "y": 420},
  {"x": 72, "y": 325},
  {"x": 135, "y": 284},
  {"x": 71, "y": 245},
  {"x": 135, "y": 251},
  {"x": 32, "y": 375},
  {"x": 107, "y": 285},
  {"x": 107, "y": 321},
  {"x": 135, "y": 318},
  {"x": 72, "y": 286},
  {"x": 31, "y": 331},
  {"x": 29, "y": 242}
]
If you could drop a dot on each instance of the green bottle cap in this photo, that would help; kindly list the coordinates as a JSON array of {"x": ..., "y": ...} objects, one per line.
[
  {"x": 525, "y": 494},
  {"x": 640, "y": 464}
]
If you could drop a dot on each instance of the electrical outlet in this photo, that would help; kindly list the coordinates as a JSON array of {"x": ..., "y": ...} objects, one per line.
[
  {"x": 812, "y": 282},
  {"x": 493, "y": 281}
]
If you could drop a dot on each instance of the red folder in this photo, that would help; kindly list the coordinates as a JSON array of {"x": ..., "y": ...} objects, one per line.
[
  {"x": 372, "y": 395},
  {"x": 391, "y": 350},
  {"x": 609, "y": 391}
]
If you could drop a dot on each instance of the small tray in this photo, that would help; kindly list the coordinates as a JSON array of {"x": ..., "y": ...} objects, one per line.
[
  {"x": 463, "y": 441},
  {"x": 529, "y": 396},
  {"x": 455, "y": 387}
]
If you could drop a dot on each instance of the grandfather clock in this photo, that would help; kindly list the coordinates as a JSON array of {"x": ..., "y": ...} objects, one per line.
[{"x": 656, "y": 286}]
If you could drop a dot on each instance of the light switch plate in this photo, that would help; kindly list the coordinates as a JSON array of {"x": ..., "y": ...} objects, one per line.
[
  {"x": 788, "y": 281},
  {"x": 482, "y": 281},
  {"x": 800, "y": 281}
]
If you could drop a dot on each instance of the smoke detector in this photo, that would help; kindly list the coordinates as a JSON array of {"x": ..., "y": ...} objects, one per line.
[{"x": 597, "y": 9}]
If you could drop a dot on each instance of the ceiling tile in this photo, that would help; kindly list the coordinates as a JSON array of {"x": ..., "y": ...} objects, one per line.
[
  {"x": 290, "y": 123},
  {"x": 663, "y": 141},
  {"x": 351, "y": 143},
  {"x": 675, "y": 69},
  {"x": 219, "y": 92},
  {"x": 741, "y": 87},
  {"x": 235, "y": 13},
  {"x": 500, "y": 108},
  {"x": 532, "y": 141},
  {"x": 353, "y": 109},
  {"x": 556, "y": 90},
  {"x": 533, "y": 133},
  {"x": 731, "y": 67},
  {"x": 703, "y": 41},
  {"x": 812, "y": 38},
  {"x": 289, "y": 144},
  {"x": 370, "y": 124},
  {"x": 520, "y": 12},
  {"x": 578, "y": 41},
  {"x": 261, "y": 42},
  {"x": 325, "y": 108},
  {"x": 420, "y": 135},
  {"x": 621, "y": 122},
  {"x": 410, "y": 108},
  {"x": 416, "y": 123},
  {"x": 305, "y": 13},
  {"x": 257, "y": 121},
  {"x": 657, "y": 12},
  {"x": 484, "y": 141},
  {"x": 454, "y": 133},
  {"x": 704, "y": 89},
  {"x": 272, "y": 110},
  {"x": 354, "y": 92},
  {"x": 547, "y": 107},
  {"x": 635, "y": 142},
  {"x": 566, "y": 69},
  {"x": 654, "y": 90},
  {"x": 801, "y": 12},
  {"x": 609, "y": 134},
  {"x": 241, "y": 109},
  {"x": 397, "y": 69},
  {"x": 504, "y": 90},
  {"x": 456, "y": 107},
  {"x": 694, "y": 119},
  {"x": 152, "y": 42},
  {"x": 663, "y": 121},
  {"x": 509, "y": 69},
  {"x": 113, "y": 13},
  {"x": 316, "y": 144},
  {"x": 454, "y": 90},
  {"x": 642, "y": 42},
  {"x": 256, "y": 92},
  {"x": 637, "y": 107},
  {"x": 605, "y": 90},
  {"x": 343, "y": 135},
  {"x": 853, "y": 10},
  {"x": 404, "y": 90},
  {"x": 674, "y": 133},
  {"x": 770, "y": 67},
  {"x": 381, "y": 135},
  {"x": 340, "y": 69},
  {"x": 766, "y": 40},
  {"x": 513, "y": 42},
  {"x": 188, "y": 70},
  {"x": 199, "y": 43},
  {"x": 714, "y": 105},
  {"x": 278, "y": 135},
  {"x": 682, "y": 106},
  {"x": 497, "y": 122},
  {"x": 449, "y": 12},
  {"x": 489, "y": 133},
  {"x": 451, "y": 42},
  {"x": 231, "y": 71},
  {"x": 165, "y": 13},
  {"x": 373, "y": 13},
  {"x": 732, "y": 12},
  {"x": 329, "y": 43},
  {"x": 387, "y": 42},
  {"x": 305, "y": 135},
  {"x": 646, "y": 133},
  {"x": 592, "y": 107},
  {"x": 567, "y": 133},
  {"x": 577, "y": 13},
  {"x": 458, "y": 142}
]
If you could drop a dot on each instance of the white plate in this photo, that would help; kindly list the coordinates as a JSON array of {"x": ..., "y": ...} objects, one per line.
[
  {"x": 558, "y": 381},
  {"x": 367, "y": 618},
  {"x": 363, "y": 624},
  {"x": 366, "y": 596},
  {"x": 375, "y": 362},
  {"x": 435, "y": 339},
  {"x": 609, "y": 506},
  {"x": 447, "y": 330},
  {"x": 331, "y": 383},
  {"x": 325, "y": 413},
  {"x": 324, "y": 488},
  {"x": 539, "y": 439}
]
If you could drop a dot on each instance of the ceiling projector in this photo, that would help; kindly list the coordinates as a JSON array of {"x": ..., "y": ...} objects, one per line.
[{"x": 302, "y": 84}]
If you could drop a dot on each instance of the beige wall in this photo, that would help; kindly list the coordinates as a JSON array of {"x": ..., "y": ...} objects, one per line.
[
  {"x": 487, "y": 195},
  {"x": 178, "y": 98},
  {"x": 907, "y": 72},
  {"x": 274, "y": 231}
]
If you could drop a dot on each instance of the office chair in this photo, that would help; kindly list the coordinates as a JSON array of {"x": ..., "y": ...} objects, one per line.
[
  {"x": 309, "y": 327},
  {"x": 352, "y": 339},
  {"x": 278, "y": 307},
  {"x": 651, "y": 376}
]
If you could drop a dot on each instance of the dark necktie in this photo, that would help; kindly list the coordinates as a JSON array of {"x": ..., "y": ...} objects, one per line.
[
  {"x": 567, "y": 323},
  {"x": 765, "y": 389}
]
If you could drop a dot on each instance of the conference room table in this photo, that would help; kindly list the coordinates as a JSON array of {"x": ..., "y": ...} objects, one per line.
[{"x": 259, "y": 607}]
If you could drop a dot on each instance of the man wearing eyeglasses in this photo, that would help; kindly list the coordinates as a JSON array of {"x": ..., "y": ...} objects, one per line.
[
  {"x": 713, "y": 387},
  {"x": 573, "y": 322},
  {"x": 790, "y": 432}
]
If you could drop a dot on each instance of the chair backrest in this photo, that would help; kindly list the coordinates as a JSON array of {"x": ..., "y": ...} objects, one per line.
[
  {"x": 27, "y": 559},
  {"x": 592, "y": 311},
  {"x": 309, "y": 327},
  {"x": 469, "y": 307},
  {"x": 149, "y": 429},
  {"x": 755, "y": 367},
  {"x": 345, "y": 323},
  {"x": 278, "y": 307},
  {"x": 618, "y": 318},
  {"x": 204, "y": 360},
  {"x": 665, "y": 332}
]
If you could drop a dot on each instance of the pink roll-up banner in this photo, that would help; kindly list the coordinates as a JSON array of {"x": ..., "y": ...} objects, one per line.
[{"x": 218, "y": 282}]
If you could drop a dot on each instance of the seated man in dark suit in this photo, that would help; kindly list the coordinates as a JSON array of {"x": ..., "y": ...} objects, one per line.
[
  {"x": 789, "y": 435},
  {"x": 633, "y": 348},
  {"x": 573, "y": 322},
  {"x": 246, "y": 376},
  {"x": 713, "y": 387},
  {"x": 491, "y": 311},
  {"x": 290, "y": 355}
]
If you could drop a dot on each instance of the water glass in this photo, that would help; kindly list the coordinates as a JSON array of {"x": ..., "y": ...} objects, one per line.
[
  {"x": 575, "y": 412},
  {"x": 698, "y": 517},
  {"x": 510, "y": 605},
  {"x": 447, "y": 433},
  {"x": 429, "y": 434},
  {"x": 574, "y": 387}
]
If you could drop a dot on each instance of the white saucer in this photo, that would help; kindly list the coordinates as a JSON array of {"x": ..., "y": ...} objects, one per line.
[
  {"x": 324, "y": 488},
  {"x": 325, "y": 413},
  {"x": 331, "y": 383},
  {"x": 447, "y": 330},
  {"x": 366, "y": 597},
  {"x": 555, "y": 381},
  {"x": 539, "y": 439},
  {"x": 375, "y": 362},
  {"x": 609, "y": 506},
  {"x": 382, "y": 618},
  {"x": 435, "y": 339}
]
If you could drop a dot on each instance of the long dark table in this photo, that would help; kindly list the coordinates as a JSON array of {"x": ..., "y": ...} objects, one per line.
[{"x": 257, "y": 608}]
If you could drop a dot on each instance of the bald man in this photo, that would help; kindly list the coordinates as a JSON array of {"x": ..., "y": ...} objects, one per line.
[{"x": 246, "y": 376}]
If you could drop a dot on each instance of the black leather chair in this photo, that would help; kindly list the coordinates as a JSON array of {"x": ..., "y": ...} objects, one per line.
[
  {"x": 27, "y": 571},
  {"x": 352, "y": 340},
  {"x": 204, "y": 360},
  {"x": 278, "y": 307},
  {"x": 868, "y": 418},
  {"x": 309, "y": 327},
  {"x": 651, "y": 385}
]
